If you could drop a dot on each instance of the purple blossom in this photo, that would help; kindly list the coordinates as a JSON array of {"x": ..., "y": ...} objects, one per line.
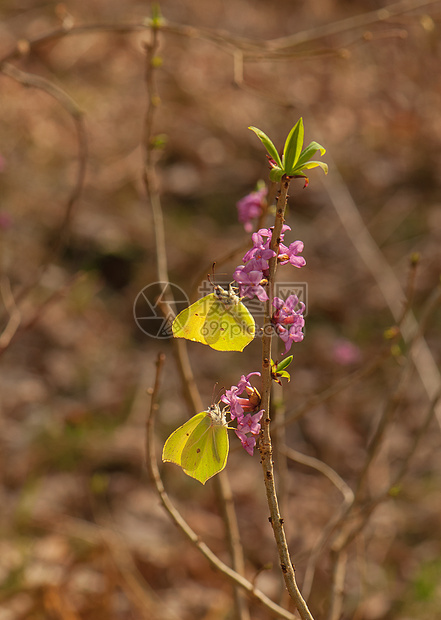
[
  {"x": 230, "y": 397},
  {"x": 250, "y": 423},
  {"x": 248, "y": 442},
  {"x": 286, "y": 310},
  {"x": 242, "y": 398},
  {"x": 268, "y": 232},
  {"x": 260, "y": 249},
  {"x": 259, "y": 257},
  {"x": 250, "y": 207},
  {"x": 250, "y": 275},
  {"x": 345, "y": 352},
  {"x": 289, "y": 254},
  {"x": 250, "y": 282},
  {"x": 5, "y": 220},
  {"x": 288, "y": 321},
  {"x": 244, "y": 383},
  {"x": 291, "y": 334},
  {"x": 262, "y": 232}
]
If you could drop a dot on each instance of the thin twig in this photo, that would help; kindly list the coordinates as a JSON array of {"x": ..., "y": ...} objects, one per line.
[
  {"x": 327, "y": 530},
  {"x": 23, "y": 326},
  {"x": 352, "y": 517},
  {"x": 176, "y": 516},
  {"x": 386, "y": 279},
  {"x": 35, "y": 81},
  {"x": 361, "y": 513},
  {"x": 338, "y": 583},
  {"x": 193, "y": 398},
  {"x": 225, "y": 493},
  {"x": 340, "y": 385},
  {"x": 14, "y": 314},
  {"x": 366, "y": 510},
  {"x": 223, "y": 39},
  {"x": 265, "y": 447},
  {"x": 350, "y": 23},
  {"x": 323, "y": 468},
  {"x": 278, "y": 414}
]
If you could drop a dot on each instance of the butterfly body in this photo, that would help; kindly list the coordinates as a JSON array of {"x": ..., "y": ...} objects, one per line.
[
  {"x": 200, "y": 446},
  {"x": 219, "y": 319}
]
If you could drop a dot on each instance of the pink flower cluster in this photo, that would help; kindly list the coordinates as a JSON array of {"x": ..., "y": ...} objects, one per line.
[
  {"x": 252, "y": 275},
  {"x": 250, "y": 207},
  {"x": 251, "y": 278},
  {"x": 243, "y": 399},
  {"x": 288, "y": 322}
]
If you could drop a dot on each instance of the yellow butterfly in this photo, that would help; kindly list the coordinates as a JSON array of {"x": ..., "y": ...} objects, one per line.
[
  {"x": 220, "y": 320},
  {"x": 200, "y": 446}
]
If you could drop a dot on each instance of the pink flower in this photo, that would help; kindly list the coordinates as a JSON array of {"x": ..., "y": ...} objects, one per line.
[
  {"x": 248, "y": 442},
  {"x": 291, "y": 334},
  {"x": 289, "y": 254},
  {"x": 250, "y": 423},
  {"x": 345, "y": 352},
  {"x": 249, "y": 282},
  {"x": 240, "y": 398},
  {"x": 250, "y": 207},
  {"x": 288, "y": 321},
  {"x": 5, "y": 220}
]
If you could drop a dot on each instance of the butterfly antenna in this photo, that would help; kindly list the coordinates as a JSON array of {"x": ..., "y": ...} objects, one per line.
[
  {"x": 213, "y": 393},
  {"x": 211, "y": 277},
  {"x": 219, "y": 393}
]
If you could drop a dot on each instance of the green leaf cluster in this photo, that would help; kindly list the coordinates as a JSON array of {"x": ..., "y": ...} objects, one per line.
[
  {"x": 278, "y": 370},
  {"x": 295, "y": 160}
]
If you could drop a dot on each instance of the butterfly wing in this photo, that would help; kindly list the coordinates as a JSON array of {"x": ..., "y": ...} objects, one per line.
[
  {"x": 229, "y": 329},
  {"x": 175, "y": 444},
  {"x": 206, "y": 451},
  {"x": 217, "y": 320},
  {"x": 196, "y": 445},
  {"x": 190, "y": 322}
]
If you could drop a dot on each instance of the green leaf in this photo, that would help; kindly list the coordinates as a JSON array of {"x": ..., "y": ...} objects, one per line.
[
  {"x": 284, "y": 364},
  {"x": 293, "y": 147},
  {"x": 276, "y": 174},
  {"x": 308, "y": 152},
  {"x": 315, "y": 164},
  {"x": 284, "y": 375},
  {"x": 268, "y": 145},
  {"x": 157, "y": 19},
  {"x": 278, "y": 372}
]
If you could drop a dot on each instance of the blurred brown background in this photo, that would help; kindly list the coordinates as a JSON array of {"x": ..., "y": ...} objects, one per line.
[{"x": 83, "y": 534}]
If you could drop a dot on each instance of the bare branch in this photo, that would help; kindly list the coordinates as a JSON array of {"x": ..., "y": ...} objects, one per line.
[{"x": 176, "y": 516}]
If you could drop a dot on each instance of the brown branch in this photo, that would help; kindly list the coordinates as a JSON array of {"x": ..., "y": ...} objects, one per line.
[
  {"x": 237, "y": 579},
  {"x": 350, "y": 23},
  {"x": 223, "y": 39},
  {"x": 323, "y": 468},
  {"x": 265, "y": 446},
  {"x": 340, "y": 385},
  {"x": 352, "y": 515},
  {"x": 386, "y": 279},
  {"x": 357, "y": 513},
  {"x": 191, "y": 391},
  {"x": 14, "y": 315},
  {"x": 34, "y": 81},
  {"x": 16, "y": 330},
  {"x": 338, "y": 582}
]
